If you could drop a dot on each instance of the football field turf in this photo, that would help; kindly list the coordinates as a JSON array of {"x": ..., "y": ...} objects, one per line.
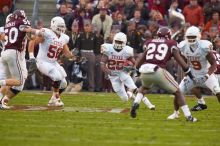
[{"x": 101, "y": 119}]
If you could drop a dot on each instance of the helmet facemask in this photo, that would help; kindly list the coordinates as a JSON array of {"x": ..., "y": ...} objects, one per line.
[
  {"x": 118, "y": 45},
  {"x": 58, "y": 25},
  {"x": 192, "y": 35},
  {"x": 119, "y": 41}
]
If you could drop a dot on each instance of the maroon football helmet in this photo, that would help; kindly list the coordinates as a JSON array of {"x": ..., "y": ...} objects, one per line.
[
  {"x": 19, "y": 14},
  {"x": 164, "y": 32}
]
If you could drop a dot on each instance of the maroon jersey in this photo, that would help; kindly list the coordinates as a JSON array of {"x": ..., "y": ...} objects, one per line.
[
  {"x": 217, "y": 58},
  {"x": 159, "y": 51},
  {"x": 15, "y": 35}
]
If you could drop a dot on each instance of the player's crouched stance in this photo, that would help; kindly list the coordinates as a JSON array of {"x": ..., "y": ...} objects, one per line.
[
  {"x": 52, "y": 42},
  {"x": 152, "y": 68},
  {"x": 114, "y": 62}
]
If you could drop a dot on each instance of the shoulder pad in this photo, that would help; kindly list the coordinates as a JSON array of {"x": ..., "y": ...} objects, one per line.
[
  {"x": 129, "y": 50},
  {"x": 105, "y": 49},
  {"x": 181, "y": 44},
  {"x": 205, "y": 46}
]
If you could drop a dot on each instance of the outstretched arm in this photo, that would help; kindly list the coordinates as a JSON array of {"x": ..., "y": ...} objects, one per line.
[{"x": 67, "y": 53}]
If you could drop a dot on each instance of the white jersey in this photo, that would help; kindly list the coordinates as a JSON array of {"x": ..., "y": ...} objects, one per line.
[
  {"x": 52, "y": 46},
  {"x": 197, "y": 60},
  {"x": 116, "y": 59}
]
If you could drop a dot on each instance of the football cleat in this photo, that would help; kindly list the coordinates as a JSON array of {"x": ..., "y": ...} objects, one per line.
[
  {"x": 199, "y": 107},
  {"x": 4, "y": 105},
  {"x": 191, "y": 119},
  {"x": 134, "y": 107},
  {"x": 56, "y": 102},
  {"x": 175, "y": 115},
  {"x": 152, "y": 107}
]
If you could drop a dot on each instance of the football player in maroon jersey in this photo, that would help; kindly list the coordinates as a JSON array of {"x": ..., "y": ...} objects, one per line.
[
  {"x": 152, "y": 68},
  {"x": 13, "y": 56}
]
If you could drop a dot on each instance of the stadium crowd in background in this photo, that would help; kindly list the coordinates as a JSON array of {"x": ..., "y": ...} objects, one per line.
[{"x": 92, "y": 22}]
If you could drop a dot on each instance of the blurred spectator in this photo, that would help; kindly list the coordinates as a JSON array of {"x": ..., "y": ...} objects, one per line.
[
  {"x": 158, "y": 5},
  {"x": 137, "y": 18},
  {"x": 103, "y": 23},
  {"x": 134, "y": 38},
  {"x": 87, "y": 45},
  {"x": 4, "y": 3},
  {"x": 209, "y": 7},
  {"x": 80, "y": 18},
  {"x": 66, "y": 14},
  {"x": 73, "y": 34},
  {"x": 101, "y": 4},
  {"x": 129, "y": 9},
  {"x": 194, "y": 14},
  {"x": 120, "y": 23},
  {"x": 145, "y": 13},
  {"x": 153, "y": 27},
  {"x": 157, "y": 17},
  {"x": 213, "y": 25},
  {"x": 98, "y": 55},
  {"x": 117, "y": 6},
  {"x": 4, "y": 14},
  {"x": 89, "y": 11}
]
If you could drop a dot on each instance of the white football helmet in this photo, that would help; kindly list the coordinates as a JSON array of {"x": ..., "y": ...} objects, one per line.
[
  {"x": 192, "y": 35},
  {"x": 119, "y": 40},
  {"x": 58, "y": 25}
]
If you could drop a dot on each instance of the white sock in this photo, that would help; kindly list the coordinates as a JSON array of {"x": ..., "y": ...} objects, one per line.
[
  {"x": 146, "y": 101},
  {"x": 2, "y": 82},
  {"x": 138, "y": 98},
  {"x": 1, "y": 95},
  {"x": 130, "y": 94},
  {"x": 201, "y": 101},
  {"x": 185, "y": 110},
  {"x": 176, "y": 112},
  {"x": 55, "y": 95}
]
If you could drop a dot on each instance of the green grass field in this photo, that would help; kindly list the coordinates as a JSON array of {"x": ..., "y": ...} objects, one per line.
[{"x": 87, "y": 120}]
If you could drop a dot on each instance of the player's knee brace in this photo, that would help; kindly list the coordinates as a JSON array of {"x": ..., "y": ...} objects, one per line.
[
  {"x": 123, "y": 95},
  {"x": 14, "y": 91},
  {"x": 56, "y": 84}
]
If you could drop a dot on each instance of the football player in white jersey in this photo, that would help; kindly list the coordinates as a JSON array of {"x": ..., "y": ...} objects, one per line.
[
  {"x": 198, "y": 54},
  {"x": 52, "y": 43},
  {"x": 114, "y": 57}
]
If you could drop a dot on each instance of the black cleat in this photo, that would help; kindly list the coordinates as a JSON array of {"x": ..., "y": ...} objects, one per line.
[
  {"x": 199, "y": 107},
  {"x": 191, "y": 119},
  {"x": 134, "y": 107}
]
